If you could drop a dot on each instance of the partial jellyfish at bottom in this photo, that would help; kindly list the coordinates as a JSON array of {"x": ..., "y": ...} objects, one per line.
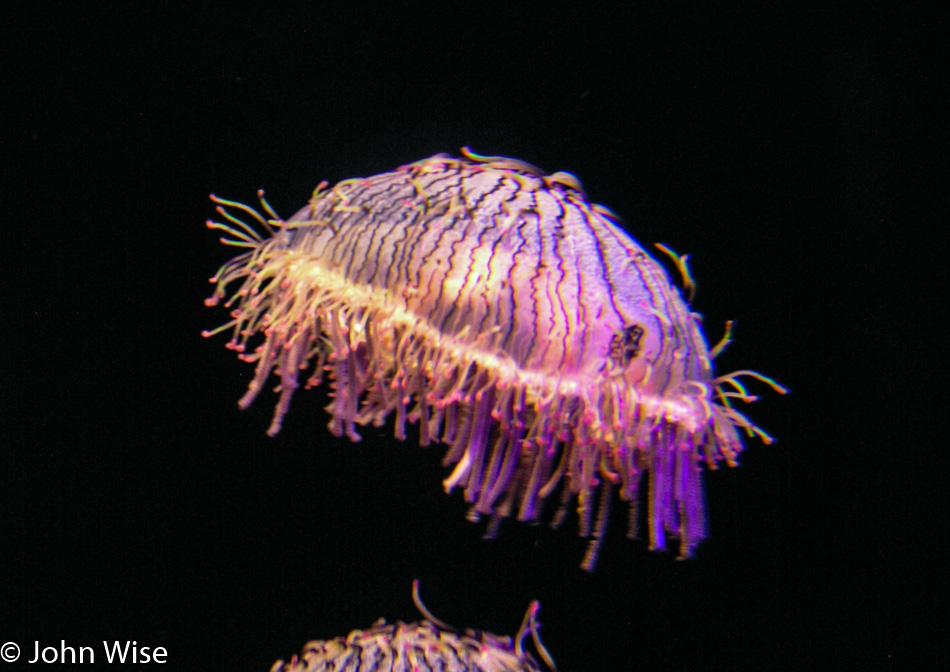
[{"x": 426, "y": 646}]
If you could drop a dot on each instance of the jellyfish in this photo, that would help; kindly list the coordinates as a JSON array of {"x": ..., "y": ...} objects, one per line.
[{"x": 510, "y": 319}]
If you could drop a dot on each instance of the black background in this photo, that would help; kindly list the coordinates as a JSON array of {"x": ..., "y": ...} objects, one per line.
[{"x": 771, "y": 143}]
